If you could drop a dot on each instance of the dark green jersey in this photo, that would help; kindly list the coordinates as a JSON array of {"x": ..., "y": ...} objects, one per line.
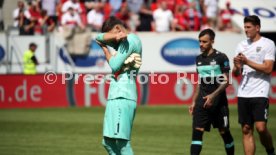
[{"x": 210, "y": 70}]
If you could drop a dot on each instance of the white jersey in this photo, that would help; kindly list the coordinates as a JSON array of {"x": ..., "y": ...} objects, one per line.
[
  {"x": 254, "y": 83},
  {"x": 76, "y": 6},
  {"x": 212, "y": 8},
  {"x": 94, "y": 17},
  {"x": 16, "y": 14},
  {"x": 162, "y": 19},
  {"x": 71, "y": 20}
]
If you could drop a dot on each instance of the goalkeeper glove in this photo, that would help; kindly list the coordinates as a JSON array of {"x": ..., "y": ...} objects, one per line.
[{"x": 134, "y": 60}]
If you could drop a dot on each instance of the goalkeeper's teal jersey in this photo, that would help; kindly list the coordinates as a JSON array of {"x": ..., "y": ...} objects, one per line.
[{"x": 125, "y": 85}]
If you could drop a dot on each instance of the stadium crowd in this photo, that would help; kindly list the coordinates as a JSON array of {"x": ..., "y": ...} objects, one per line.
[{"x": 42, "y": 16}]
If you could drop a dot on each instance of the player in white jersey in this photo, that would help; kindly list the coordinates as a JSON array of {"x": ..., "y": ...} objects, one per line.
[{"x": 254, "y": 60}]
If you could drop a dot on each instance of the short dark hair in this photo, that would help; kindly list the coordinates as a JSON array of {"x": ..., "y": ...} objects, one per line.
[
  {"x": 110, "y": 23},
  {"x": 209, "y": 32},
  {"x": 32, "y": 45},
  {"x": 255, "y": 20}
]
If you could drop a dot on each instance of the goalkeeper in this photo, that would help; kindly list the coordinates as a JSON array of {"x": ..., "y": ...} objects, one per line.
[{"x": 122, "y": 94}]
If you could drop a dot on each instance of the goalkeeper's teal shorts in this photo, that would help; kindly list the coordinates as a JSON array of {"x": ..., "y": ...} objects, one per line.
[{"x": 118, "y": 118}]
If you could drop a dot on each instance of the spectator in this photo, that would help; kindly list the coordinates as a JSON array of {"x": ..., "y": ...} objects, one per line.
[
  {"x": 193, "y": 17},
  {"x": 51, "y": 6},
  {"x": 90, "y": 4},
  {"x": 211, "y": 12},
  {"x": 225, "y": 19},
  {"x": 59, "y": 10},
  {"x": 180, "y": 4},
  {"x": 124, "y": 15},
  {"x": 83, "y": 13},
  {"x": 26, "y": 26},
  {"x": 34, "y": 11},
  {"x": 170, "y": 4},
  {"x": 153, "y": 5},
  {"x": 199, "y": 4},
  {"x": 134, "y": 7},
  {"x": 205, "y": 24},
  {"x": 163, "y": 18},
  {"x": 95, "y": 17},
  {"x": 145, "y": 17},
  {"x": 29, "y": 60},
  {"x": 71, "y": 19},
  {"x": 115, "y": 6},
  {"x": 71, "y": 4},
  {"x": 46, "y": 24},
  {"x": 77, "y": 37},
  {"x": 20, "y": 8},
  {"x": 107, "y": 10},
  {"x": 180, "y": 19}
]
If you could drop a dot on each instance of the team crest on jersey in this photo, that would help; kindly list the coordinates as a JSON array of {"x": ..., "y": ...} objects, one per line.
[
  {"x": 213, "y": 62},
  {"x": 258, "y": 49}
]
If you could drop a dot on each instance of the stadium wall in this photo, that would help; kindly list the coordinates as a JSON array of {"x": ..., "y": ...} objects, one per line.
[{"x": 87, "y": 90}]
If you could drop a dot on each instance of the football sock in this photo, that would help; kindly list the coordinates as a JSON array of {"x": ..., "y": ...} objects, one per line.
[
  {"x": 196, "y": 145},
  {"x": 229, "y": 143}
]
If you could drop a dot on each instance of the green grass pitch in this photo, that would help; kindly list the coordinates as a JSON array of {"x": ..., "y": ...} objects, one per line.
[{"x": 158, "y": 130}]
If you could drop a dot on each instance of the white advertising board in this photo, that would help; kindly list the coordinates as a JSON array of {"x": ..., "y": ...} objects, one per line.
[
  {"x": 162, "y": 52},
  {"x": 265, "y": 9}
]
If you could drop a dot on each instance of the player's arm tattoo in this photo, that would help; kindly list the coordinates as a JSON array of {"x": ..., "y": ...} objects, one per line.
[{"x": 223, "y": 84}]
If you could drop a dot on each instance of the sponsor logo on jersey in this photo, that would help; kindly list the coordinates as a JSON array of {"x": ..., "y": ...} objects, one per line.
[
  {"x": 258, "y": 49},
  {"x": 213, "y": 62}
]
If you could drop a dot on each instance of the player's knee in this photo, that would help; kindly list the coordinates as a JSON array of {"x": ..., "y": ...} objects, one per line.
[
  {"x": 261, "y": 129},
  {"x": 247, "y": 129}
]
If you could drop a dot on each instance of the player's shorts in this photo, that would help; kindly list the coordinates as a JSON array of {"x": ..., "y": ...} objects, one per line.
[
  {"x": 118, "y": 118},
  {"x": 252, "y": 109},
  {"x": 217, "y": 117}
]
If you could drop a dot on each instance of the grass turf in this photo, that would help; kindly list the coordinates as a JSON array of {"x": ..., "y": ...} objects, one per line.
[{"x": 157, "y": 130}]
